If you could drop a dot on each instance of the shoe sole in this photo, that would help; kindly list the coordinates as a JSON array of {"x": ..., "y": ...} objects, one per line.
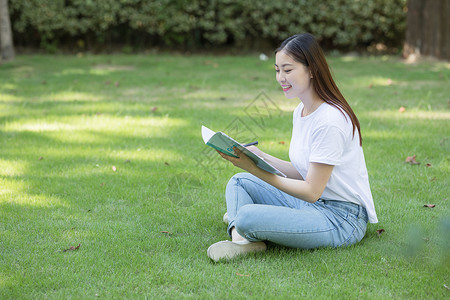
[{"x": 225, "y": 218}]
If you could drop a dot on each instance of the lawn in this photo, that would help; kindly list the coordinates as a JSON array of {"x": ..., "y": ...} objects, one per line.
[{"x": 107, "y": 190}]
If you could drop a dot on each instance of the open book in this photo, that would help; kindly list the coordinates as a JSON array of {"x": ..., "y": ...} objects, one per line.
[{"x": 222, "y": 142}]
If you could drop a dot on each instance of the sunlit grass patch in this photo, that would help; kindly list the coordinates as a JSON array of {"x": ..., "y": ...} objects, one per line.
[{"x": 105, "y": 152}]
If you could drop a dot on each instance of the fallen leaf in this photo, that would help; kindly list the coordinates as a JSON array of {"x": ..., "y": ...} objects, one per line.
[
  {"x": 433, "y": 179},
  {"x": 127, "y": 161},
  {"x": 102, "y": 184},
  {"x": 154, "y": 108},
  {"x": 166, "y": 232},
  {"x": 428, "y": 165},
  {"x": 73, "y": 248},
  {"x": 114, "y": 168},
  {"x": 370, "y": 86},
  {"x": 244, "y": 275},
  {"x": 412, "y": 160},
  {"x": 41, "y": 158},
  {"x": 44, "y": 81},
  {"x": 281, "y": 142},
  {"x": 402, "y": 109},
  {"x": 430, "y": 205},
  {"x": 108, "y": 82},
  {"x": 379, "y": 232},
  {"x": 116, "y": 83},
  {"x": 166, "y": 163}
]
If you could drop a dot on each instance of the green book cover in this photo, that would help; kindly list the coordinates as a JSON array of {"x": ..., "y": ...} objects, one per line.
[{"x": 223, "y": 143}]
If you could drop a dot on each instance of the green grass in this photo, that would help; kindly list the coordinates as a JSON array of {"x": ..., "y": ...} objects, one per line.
[{"x": 144, "y": 228}]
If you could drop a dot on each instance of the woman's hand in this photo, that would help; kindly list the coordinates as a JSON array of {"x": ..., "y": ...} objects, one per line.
[{"x": 243, "y": 162}]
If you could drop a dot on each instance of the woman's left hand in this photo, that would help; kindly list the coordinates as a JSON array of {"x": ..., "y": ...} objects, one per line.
[{"x": 243, "y": 162}]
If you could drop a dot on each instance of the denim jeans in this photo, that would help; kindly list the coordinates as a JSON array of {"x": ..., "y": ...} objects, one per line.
[{"x": 261, "y": 212}]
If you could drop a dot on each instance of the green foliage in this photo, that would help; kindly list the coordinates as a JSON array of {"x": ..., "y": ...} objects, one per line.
[{"x": 343, "y": 24}]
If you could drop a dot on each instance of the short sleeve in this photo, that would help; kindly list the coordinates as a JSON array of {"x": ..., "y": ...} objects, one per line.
[{"x": 327, "y": 145}]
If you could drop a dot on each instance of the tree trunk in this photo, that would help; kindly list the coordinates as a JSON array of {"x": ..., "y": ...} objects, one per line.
[
  {"x": 6, "y": 41},
  {"x": 427, "y": 29}
]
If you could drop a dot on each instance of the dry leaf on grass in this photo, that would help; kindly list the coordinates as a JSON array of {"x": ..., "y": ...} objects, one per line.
[
  {"x": 73, "y": 248},
  {"x": 430, "y": 205},
  {"x": 412, "y": 160},
  {"x": 380, "y": 231},
  {"x": 243, "y": 275}
]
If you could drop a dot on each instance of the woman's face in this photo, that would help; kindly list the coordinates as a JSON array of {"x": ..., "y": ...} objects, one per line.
[{"x": 294, "y": 77}]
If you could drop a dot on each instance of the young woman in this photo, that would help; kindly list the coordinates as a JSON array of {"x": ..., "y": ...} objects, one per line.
[{"x": 326, "y": 200}]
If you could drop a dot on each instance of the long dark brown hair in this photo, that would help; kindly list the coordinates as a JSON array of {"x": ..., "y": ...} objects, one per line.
[{"x": 303, "y": 48}]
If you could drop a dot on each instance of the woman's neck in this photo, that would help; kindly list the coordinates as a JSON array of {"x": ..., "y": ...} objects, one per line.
[{"x": 310, "y": 104}]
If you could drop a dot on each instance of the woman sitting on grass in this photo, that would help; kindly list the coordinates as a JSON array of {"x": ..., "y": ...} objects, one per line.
[{"x": 325, "y": 201}]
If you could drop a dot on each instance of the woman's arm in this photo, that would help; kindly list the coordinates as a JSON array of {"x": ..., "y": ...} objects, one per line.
[
  {"x": 309, "y": 189},
  {"x": 284, "y": 166}
]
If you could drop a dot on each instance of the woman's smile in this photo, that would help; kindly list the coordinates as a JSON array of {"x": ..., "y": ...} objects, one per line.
[{"x": 286, "y": 87}]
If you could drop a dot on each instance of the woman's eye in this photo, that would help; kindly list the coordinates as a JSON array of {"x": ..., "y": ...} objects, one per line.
[
  {"x": 287, "y": 71},
  {"x": 278, "y": 71}
]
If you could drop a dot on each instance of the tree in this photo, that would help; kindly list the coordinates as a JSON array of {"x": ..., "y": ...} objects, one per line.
[
  {"x": 6, "y": 41},
  {"x": 428, "y": 29}
]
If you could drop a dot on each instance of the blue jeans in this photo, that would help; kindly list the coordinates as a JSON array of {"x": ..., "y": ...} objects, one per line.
[{"x": 261, "y": 212}]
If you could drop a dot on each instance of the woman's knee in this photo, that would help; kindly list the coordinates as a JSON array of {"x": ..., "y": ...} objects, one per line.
[
  {"x": 237, "y": 179},
  {"x": 242, "y": 175}
]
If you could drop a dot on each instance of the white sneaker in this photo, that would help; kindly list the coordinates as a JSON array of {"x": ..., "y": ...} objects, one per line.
[
  {"x": 229, "y": 249},
  {"x": 225, "y": 218}
]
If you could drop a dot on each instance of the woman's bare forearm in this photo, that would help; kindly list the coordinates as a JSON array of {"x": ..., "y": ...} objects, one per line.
[{"x": 284, "y": 166}]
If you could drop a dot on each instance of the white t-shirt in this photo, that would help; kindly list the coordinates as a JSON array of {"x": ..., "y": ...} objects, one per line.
[{"x": 326, "y": 136}]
